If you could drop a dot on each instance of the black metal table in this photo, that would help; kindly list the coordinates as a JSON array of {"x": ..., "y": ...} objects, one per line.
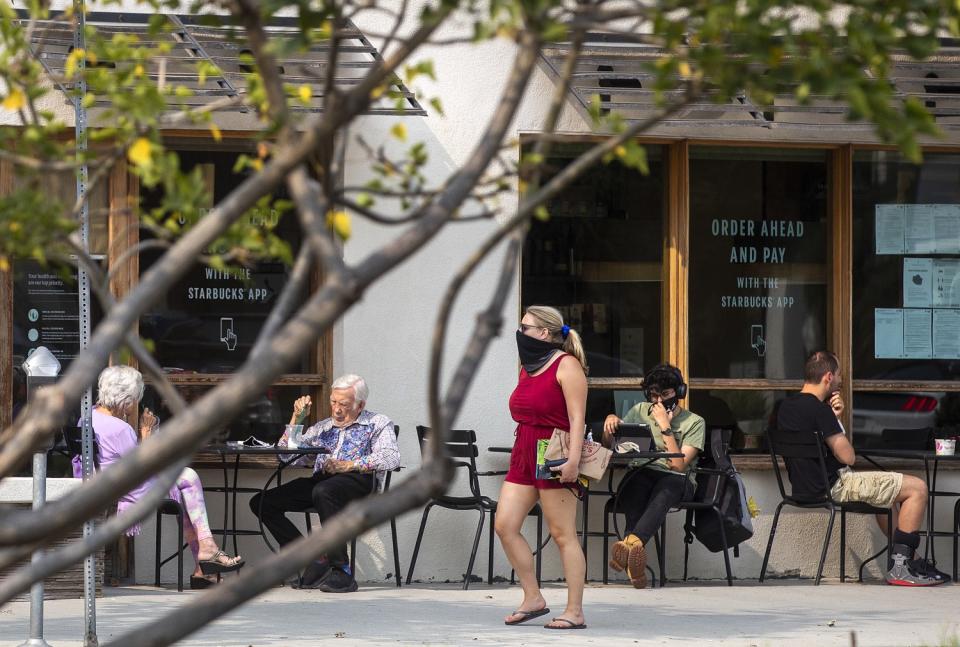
[
  {"x": 630, "y": 461},
  {"x": 230, "y": 492},
  {"x": 928, "y": 457}
]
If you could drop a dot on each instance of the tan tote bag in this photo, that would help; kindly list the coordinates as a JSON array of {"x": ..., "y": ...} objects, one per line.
[{"x": 594, "y": 457}]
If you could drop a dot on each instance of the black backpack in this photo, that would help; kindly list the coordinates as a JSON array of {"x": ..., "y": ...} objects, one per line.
[{"x": 718, "y": 482}]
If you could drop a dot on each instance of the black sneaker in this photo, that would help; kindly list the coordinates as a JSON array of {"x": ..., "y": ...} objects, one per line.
[
  {"x": 906, "y": 572},
  {"x": 312, "y": 576},
  {"x": 338, "y": 581},
  {"x": 927, "y": 567}
]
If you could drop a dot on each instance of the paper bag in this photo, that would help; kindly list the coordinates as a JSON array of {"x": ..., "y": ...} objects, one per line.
[{"x": 594, "y": 457}]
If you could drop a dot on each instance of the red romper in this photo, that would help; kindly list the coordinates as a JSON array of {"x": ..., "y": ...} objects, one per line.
[{"x": 537, "y": 405}]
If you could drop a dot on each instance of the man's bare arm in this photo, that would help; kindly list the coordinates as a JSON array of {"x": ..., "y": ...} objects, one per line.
[{"x": 841, "y": 448}]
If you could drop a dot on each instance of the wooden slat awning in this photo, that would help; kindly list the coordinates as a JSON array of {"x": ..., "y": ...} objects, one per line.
[
  {"x": 618, "y": 69},
  {"x": 213, "y": 39}
]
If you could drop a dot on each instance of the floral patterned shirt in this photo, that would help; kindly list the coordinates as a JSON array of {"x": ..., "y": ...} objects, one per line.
[{"x": 369, "y": 442}]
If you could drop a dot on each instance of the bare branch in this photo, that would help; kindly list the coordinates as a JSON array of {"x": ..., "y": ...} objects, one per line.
[
  {"x": 312, "y": 210},
  {"x": 47, "y": 166},
  {"x": 299, "y": 281}
]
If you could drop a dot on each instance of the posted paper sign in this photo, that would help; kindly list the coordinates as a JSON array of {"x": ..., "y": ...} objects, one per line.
[
  {"x": 888, "y": 333},
  {"x": 946, "y": 283},
  {"x": 917, "y": 282},
  {"x": 889, "y": 228},
  {"x": 917, "y": 338},
  {"x": 917, "y": 228},
  {"x": 946, "y": 334},
  {"x": 919, "y": 236}
]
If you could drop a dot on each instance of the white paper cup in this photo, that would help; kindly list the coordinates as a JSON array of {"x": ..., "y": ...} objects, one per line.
[
  {"x": 294, "y": 433},
  {"x": 946, "y": 446}
]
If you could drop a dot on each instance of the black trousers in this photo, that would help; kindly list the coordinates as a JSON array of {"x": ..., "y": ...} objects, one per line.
[
  {"x": 648, "y": 496},
  {"x": 326, "y": 494}
]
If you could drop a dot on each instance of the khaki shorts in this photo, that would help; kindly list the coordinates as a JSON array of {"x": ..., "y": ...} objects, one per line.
[{"x": 879, "y": 489}]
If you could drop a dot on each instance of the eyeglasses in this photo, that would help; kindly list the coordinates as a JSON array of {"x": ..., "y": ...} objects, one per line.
[
  {"x": 657, "y": 395},
  {"x": 525, "y": 327}
]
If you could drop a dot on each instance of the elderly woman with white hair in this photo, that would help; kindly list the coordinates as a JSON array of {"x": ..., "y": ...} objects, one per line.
[{"x": 119, "y": 391}]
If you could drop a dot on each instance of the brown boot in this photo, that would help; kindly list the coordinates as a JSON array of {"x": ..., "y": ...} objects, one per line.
[
  {"x": 630, "y": 554},
  {"x": 637, "y": 565}
]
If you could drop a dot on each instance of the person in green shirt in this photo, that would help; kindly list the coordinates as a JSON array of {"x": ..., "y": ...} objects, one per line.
[{"x": 652, "y": 490}]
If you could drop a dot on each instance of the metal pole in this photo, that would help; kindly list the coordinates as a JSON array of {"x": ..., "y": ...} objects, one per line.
[
  {"x": 36, "y": 591},
  {"x": 83, "y": 281}
]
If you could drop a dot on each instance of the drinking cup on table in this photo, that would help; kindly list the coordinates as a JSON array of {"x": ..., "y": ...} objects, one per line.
[
  {"x": 293, "y": 433},
  {"x": 946, "y": 446}
]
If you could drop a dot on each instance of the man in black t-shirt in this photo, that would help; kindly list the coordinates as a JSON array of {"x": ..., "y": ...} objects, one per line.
[{"x": 817, "y": 408}]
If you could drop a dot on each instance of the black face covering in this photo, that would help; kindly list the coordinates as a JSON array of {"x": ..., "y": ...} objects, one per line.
[
  {"x": 668, "y": 403},
  {"x": 534, "y": 353}
]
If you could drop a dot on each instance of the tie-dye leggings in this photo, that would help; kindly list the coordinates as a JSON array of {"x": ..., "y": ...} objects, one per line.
[{"x": 196, "y": 528}]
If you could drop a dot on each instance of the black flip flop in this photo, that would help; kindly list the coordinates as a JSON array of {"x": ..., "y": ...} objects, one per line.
[
  {"x": 573, "y": 625},
  {"x": 526, "y": 615},
  {"x": 201, "y": 582}
]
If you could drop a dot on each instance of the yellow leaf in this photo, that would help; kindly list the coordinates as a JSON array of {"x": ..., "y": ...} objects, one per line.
[
  {"x": 399, "y": 131},
  {"x": 377, "y": 92},
  {"x": 306, "y": 93},
  {"x": 14, "y": 226},
  {"x": 15, "y": 100},
  {"x": 684, "y": 69},
  {"x": 340, "y": 221},
  {"x": 70, "y": 67},
  {"x": 4, "y": 264},
  {"x": 91, "y": 58},
  {"x": 140, "y": 152},
  {"x": 620, "y": 151},
  {"x": 215, "y": 132},
  {"x": 138, "y": 70},
  {"x": 257, "y": 164}
]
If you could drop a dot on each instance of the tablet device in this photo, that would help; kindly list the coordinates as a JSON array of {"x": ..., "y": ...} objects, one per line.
[{"x": 633, "y": 432}]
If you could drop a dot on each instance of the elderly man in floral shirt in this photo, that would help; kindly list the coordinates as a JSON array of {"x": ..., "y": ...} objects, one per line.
[{"x": 363, "y": 447}]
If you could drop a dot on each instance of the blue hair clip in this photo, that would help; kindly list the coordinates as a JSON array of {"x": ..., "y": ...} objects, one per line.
[{"x": 564, "y": 331}]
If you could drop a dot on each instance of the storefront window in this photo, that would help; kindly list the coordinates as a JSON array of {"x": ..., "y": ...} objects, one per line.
[
  {"x": 264, "y": 416},
  {"x": 758, "y": 261},
  {"x": 749, "y": 413},
  {"x": 599, "y": 260},
  {"x": 906, "y": 267},
  {"x": 209, "y": 320}
]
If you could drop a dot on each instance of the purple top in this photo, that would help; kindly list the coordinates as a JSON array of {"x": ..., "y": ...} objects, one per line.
[{"x": 117, "y": 438}]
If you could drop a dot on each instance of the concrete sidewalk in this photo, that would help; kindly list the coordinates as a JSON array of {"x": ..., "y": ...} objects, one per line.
[{"x": 774, "y": 614}]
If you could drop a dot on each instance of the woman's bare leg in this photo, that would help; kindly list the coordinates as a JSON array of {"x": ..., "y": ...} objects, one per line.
[
  {"x": 513, "y": 506},
  {"x": 560, "y": 511}
]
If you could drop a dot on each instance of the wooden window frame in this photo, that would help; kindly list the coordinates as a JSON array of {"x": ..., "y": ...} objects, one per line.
[{"x": 123, "y": 234}]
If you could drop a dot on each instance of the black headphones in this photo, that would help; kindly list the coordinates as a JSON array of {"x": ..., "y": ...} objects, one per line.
[{"x": 681, "y": 387}]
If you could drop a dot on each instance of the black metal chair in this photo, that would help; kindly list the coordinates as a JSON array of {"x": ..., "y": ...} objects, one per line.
[
  {"x": 790, "y": 446},
  {"x": 462, "y": 444},
  {"x": 73, "y": 438},
  {"x": 712, "y": 485},
  {"x": 393, "y": 526}
]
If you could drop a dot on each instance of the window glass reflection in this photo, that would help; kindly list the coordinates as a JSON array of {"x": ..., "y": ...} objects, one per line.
[
  {"x": 598, "y": 259},
  {"x": 209, "y": 320},
  {"x": 906, "y": 268},
  {"x": 758, "y": 261}
]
